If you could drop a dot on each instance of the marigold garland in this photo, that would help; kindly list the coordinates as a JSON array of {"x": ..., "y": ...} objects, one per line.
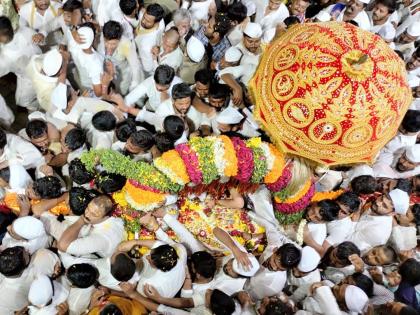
[
  {"x": 318, "y": 196},
  {"x": 191, "y": 162},
  {"x": 231, "y": 167},
  {"x": 282, "y": 181},
  {"x": 295, "y": 203},
  {"x": 172, "y": 165},
  {"x": 204, "y": 148},
  {"x": 11, "y": 201},
  {"x": 142, "y": 199},
  {"x": 278, "y": 166}
]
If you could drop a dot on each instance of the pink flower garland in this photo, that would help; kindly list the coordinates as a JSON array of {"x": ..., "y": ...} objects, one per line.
[
  {"x": 281, "y": 182},
  {"x": 291, "y": 208},
  {"x": 143, "y": 187},
  {"x": 191, "y": 162},
  {"x": 245, "y": 160}
]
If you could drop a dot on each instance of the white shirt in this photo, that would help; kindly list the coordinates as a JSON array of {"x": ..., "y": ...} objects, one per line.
[
  {"x": 30, "y": 17},
  {"x": 30, "y": 245},
  {"x": 147, "y": 88},
  {"x": 173, "y": 59},
  {"x": 78, "y": 299},
  {"x": 362, "y": 18},
  {"x": 7, "y": 117},
  {"x": 21, "y": 151},
  {"x": 339, "y": 230},
  {"x": 303, "y": 284},
  {"x": 89, "y": 67},
  {"x": 166, "y": 283}
]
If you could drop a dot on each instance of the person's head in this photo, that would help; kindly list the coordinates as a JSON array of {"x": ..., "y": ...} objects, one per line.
[
  {"x": 163, "y": 77},
  {"x": 6, "y": 30},
  {"x": 37, "y": 131},
  {"x": 237, "y": 13},
  {"x": 339, "y": 256},
  {"x": 129, "y": 7},
  {"x": 82, "y": 275},
  {"x": 170, "y": 40},
  {"x": 363, "y": 185},
  {"x": 74, "y": 139},
  {"x": 416, "y": 213},
  {"x": 273, "y": 5},
  {"x": 68, "y": 8},
  {"x": 380, "y": 255},
  {"x": 109, "y": 182},
  {"x": 273, "y": 305},
  {"x": 48, "y": 187},
  {"x": 182, "y": 21},
  {"x": 181, "y": 97},
  {"x": 174, "y": 126},
  {"x": 42, "y": 5},
  {"x": 285, "y": 257},
  {"x": 98, "y": 209},
  {"x": 79, "y": 199},
  {"x": 163, "y": 143},
  {"x": 354, "y": 7},
  {"x": 411, "y": 122},
  {"x": 203, "y": 264},
  {"x": 122, "y": 267},
  {"x": 382, "y": 205},
  {"x": 219, "y": 302},
  {"x": 218, "y": 93},
  {"x": 322, "y": 211},
  {"x": 13, "y": 261},
  {"x": 291, "y": 20},
  {"x": 163, "y": 257},
  {"x": 104, "y": 121},
  {"x": 112, "y": 31},
  {"x": 231, "y": 58},
  {"x": 404, "y": 184},
  {"x": 153, "y": 15},
  {"x": 229, "y": 120},
  {"x": 348, "y": 202},
  {"x": 111, "y": 309},
  {"x": 202, "y": 80},
  {"x": 217, "y": 27},
  {"x": 383, "y": 9},
  {"x": 298, "y": 7},
  {"x": 139, "y": 142},
  {"x": 410, "y": 272},
  {"x": 124, "y": 129},
  {"x": 396, "y": 308},
  {"x": 411, "y": 34},
  {"x": 78, "y": 172},
  {"x": 414, "y": 62},
  {"x": 3, "y": 140},
  {"x": 362, "y": 281},
  {"x": 252, "y": 37}
]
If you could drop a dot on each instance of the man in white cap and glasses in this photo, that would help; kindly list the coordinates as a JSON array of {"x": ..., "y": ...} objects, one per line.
[
  {"x": 354, "y": 11},
  {"x": 227, "y": 120},
  {"x": 193, "y": 60},
  {"x": 404, "y": 165},
  {"x": 251, "y": 45},
  {"x": 405, "y": 41}
]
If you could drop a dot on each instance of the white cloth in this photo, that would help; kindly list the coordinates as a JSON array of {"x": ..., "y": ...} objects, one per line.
[
  {"x": 362, "y": 18},
  {"x": 7, "y": 117},
  {"x": 166, "y": 283},
  {"x": 89, "y": 67},
  {"x": 45, "y": 262},
  {"x": 339, "y": 230},
  {"x": 322, "y": 302},
  {"x": 403, "y": 237},
  {"x": 174, "y": 59},
  {"x": 20, "y": 151},
  {"x": 303, "y": 284}
]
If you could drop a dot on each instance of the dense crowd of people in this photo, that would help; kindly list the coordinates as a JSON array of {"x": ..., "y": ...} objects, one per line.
[{"x": 140, "y": 77}]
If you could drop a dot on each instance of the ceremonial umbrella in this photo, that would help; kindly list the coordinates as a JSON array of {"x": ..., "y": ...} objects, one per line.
[{"x": 330, "y": 92}]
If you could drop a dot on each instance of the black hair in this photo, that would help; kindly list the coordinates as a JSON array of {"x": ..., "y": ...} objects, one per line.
[
  {"x": 204, "y": 264},
  {"x": 289, "y": 255},
  {"x": 72, "y": 5},
  {"x": 221, "y": 303},
  {"x": 278, "y": 307},
  {"x": 410, "y": 272},
  {"x": 111, "y": 309},
  {"x": 237, "y": 12},
  {"x": 3, "y": 139},
  {"x": 408, "y": 310},
  {"x": 353, "y": 22},
  {"x": 346, "y": 249},
  {"x": 109, "y": 182},
  {"x": 156, "y": 10},
  {"x": 75, "y": 139},
  {"x": 5, "y": 174},
  {"x": 164, "y": 142},
  {"x": 203, "y": 76},
  {"x": 411, "y": 121},
  {"x": 363, "y": 282},
  {"x": 219, "y": 91},
  {"x": 416, "y": 213},
  {"x": 364, "y": 184},
  {"x": 112, "y": 30},
  {"x": 82, "y": 275},
  {"x": 128, "y": 6},
  {"x": 104, "y": 121},
  {"x": 12, "y": 261},
  {"x": 181, "y": 90},
  {"x": 6, "y": 27},
  {"x": 329, "y": 209},
  {"x": 79, "y": 199},
  {"x": 78, "y": 172},
  {"x": 174, "y": 126},
  {"x": 106, "y": 204},
  {"x": 350, "y": 199},
  {"x": 123, "y": 268},
  {"x": 164, "y": 75},
  {"x": 400, "y": 54},
  {"x": 222, "y": 24},
  {"x": 404, "y": 184},
  {"x": 291, "y": 20},
  {"x": 164, "y": 257},
  {"x": 36, "y": 128},
  {"x": 5, "y": 220},
  {"x": 142, "y": 139},
  {"x": 48, "y": 187},
  {"x": 124, "y": 129},
  {"x": 390, "y": 4}
]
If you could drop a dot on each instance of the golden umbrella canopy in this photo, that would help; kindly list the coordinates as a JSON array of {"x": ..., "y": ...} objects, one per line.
[{"x": 330, "y": 92}]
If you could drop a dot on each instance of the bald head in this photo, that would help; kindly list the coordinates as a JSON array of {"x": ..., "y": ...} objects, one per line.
[{"x": 170, "y": 40}]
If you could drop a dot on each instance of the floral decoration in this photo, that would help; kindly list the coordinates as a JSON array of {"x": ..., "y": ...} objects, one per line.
[
  {"x": 172, "y": 165},
  {"x": 245, "y": 160},
  {"x": 191, "y": 162}
]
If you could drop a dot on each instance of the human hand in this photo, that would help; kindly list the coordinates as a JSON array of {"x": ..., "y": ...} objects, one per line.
[
  {"x": 357, "y": 262},
  {"x": 244, "y": 298},
  {"x": 126, "y": 246},
  {"x": 149, "y": 222},
  {"x": 237, "y": 96},
  {"x": 127, "y": 288},
  {"x": 376, "y": 274},
  {"x": 38, "y": 38},
  {"x": 155, "y": 51},
  {"x": 46, "y": 170},
  {"x": 159, "y": 212},
  {"x": 24, "y": 205},
  {"x": 242, "y": 258},
  {"x": 62, "y": 309},
  {"x": 315, "y": 286},
  {"x": 151, "y": 292}
]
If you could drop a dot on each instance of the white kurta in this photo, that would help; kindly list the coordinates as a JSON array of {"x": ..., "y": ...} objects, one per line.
[
  {"x": 24, "y": 152},
  {"x": 89, "y": 67},
  {"x": 7, "y": 117},
  {"x": 339, "y": 230},
  {"x": 173, "y": 59},
  {"x": 30, "y": 245},
  {"x": 362, "y": 18}
]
